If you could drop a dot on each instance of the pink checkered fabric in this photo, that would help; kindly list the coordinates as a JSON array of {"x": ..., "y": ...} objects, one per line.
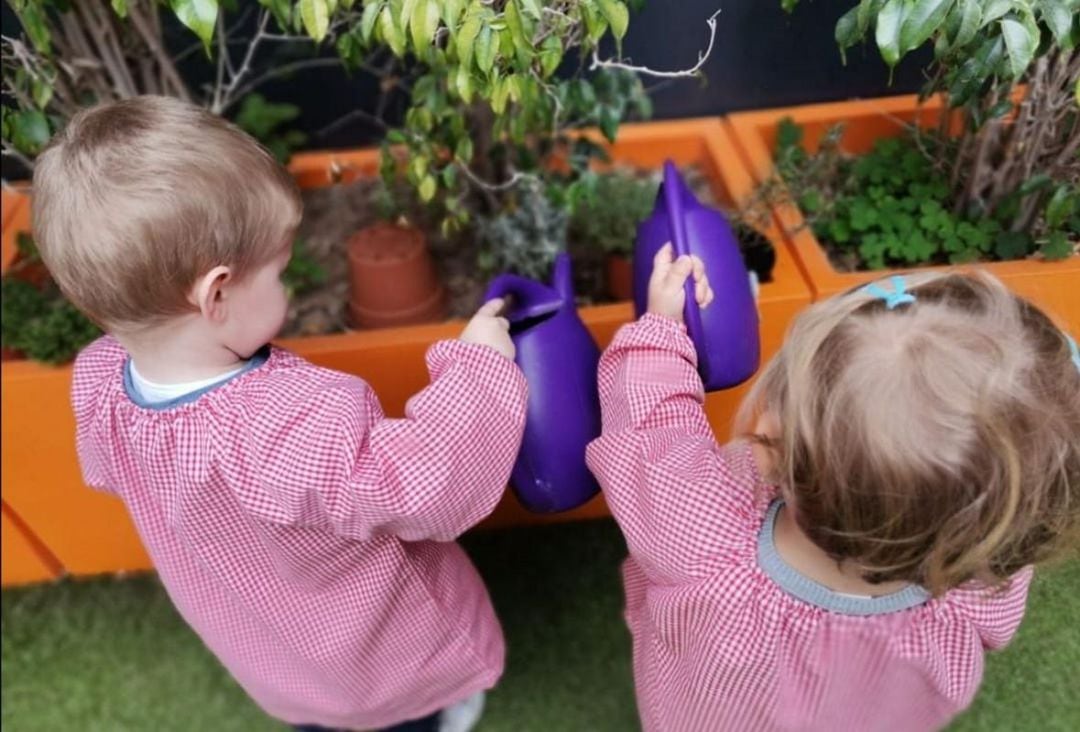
[
  {"x": 306, "y": 538},
  {"x": 718, "y": 645}
]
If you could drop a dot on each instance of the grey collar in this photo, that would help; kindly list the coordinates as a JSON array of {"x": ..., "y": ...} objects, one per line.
[
  {"x": 260, "y": 357},
  {"x": 803, "y": 588}
]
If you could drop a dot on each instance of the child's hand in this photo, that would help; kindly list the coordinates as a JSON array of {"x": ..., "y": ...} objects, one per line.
[
  {"x": 667, "y": 296},
  {"x": 487, "y": 328}
]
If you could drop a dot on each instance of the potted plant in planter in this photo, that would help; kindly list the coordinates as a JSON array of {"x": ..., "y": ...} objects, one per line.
[
  {"x": 392, "y": 279},
  {"x": 983, "y": 167},
  {"x": 607, "y": 223}
]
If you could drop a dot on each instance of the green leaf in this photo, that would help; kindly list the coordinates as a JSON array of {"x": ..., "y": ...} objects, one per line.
[
  {"x": 35, "y": 23},
  {"x": 595, "y": 23},
  {"x": 463, "y": 80},
  {"x": 618, "y": 16},
  {"x": 532, "y": 7},
  {"x": 391, "y": 33},
  {"x": 404, "y": 13},
  {"x": 282, "y": 11},
  {"x": 1057, "y": 246},
  {"x": 788, "y": 5},
  {"x": 198, "y": 15},
  {"x": 463, "y": 151},
  {"x": 1059, "y": 20},
  {"x": 120, "y": 7},
  {"x": 1020, "y": 45},
  {"x": 316, "y": 18},
  {"x": 867, "y": 10},
  {"x": 551, "y": 54},
  {"x": 42, "y": 91},
  {"x": 29, "y": 130},
  {"x": 970, "y": 21},
  {"x": 847, "y": 32},
  {"x": 466, "y": 39},
  {"x": 427, "y": 189},
  {"x": 1012, "y": 245},
  {"x": 451, "y": 13},
  {"x": 368, "y": 20},
  {"x": 425, "y": 21},
  {"x": 609, "y": 123},
  {"x": 485, "y": 49},
  {"x": 1061, "y": 206},
  {"x": 974, "y": 72},
  {"x": 923, "y": 19},
  {"x": 996, "y": 9},
  {"x": 500, "y": 95},
  {"x": 887, "y": 33}
]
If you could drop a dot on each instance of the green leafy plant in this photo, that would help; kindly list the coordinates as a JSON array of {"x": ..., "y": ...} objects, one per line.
[
  {"x": 263, "y": 120},
  {"x": 488, "y": 111},
  {"x": 525, "y": 237},
  {"x": 607, "y": 218},
  {"x": 303, "y": 273},
  {"x": 37, "y": 320},
  {"x": 1018, "y": 149},
  {"x": 891, "y": 207}
]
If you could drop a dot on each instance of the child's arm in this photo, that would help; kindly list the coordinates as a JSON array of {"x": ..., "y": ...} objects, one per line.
[
  {"x": 431, "y": 475},
  {"x": 657, "y": 459}
]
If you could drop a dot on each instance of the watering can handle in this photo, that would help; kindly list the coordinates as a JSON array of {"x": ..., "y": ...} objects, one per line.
[
  {"x": 525, "y": 298},
  {"x": 674, "y": 194}
]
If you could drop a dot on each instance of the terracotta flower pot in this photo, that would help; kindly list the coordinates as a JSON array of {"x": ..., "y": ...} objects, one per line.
[
  {"x": 392, "y": 278},
  {"x": 620, "y": 277}
]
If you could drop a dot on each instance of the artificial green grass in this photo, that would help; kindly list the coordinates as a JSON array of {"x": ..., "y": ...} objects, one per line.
[{"x": 112, "y": 655}]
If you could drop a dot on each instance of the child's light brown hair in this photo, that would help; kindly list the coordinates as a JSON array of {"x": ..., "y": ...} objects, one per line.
[
  {"x": 936, "y": 442},
  {"x": 135, "y": 200}
]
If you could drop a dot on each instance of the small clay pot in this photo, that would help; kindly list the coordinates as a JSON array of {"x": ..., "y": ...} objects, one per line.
[
  {"x": 392, "y": 279},
  {"x": 620, "y": 277}
]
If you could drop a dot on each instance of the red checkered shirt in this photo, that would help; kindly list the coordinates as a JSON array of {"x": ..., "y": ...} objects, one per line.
[
  {"x": 718, "y": 644},
  {"x": 305, "y": 537}
]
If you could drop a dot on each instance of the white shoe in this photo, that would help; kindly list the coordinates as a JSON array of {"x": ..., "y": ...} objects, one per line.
[{"x": 462, "y": 716}]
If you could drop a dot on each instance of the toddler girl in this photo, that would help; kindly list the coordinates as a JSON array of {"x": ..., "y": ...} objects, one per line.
[{"x": 910, "y": 452}]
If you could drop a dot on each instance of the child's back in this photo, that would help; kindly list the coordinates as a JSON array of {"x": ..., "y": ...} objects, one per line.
[
  {"x": 306, "y": 538},
  {"x": 837, "y": 601}
]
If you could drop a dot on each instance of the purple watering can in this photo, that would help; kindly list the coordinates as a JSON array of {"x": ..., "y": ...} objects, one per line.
[
  {"x": 725, "y": 334},
  {"x": 559, "y": 359}
]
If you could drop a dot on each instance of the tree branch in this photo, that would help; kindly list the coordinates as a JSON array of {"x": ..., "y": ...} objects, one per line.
[{"x": 598, "y": 63}]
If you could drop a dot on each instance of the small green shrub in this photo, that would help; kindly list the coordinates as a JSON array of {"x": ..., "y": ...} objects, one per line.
[
  {"x": 41, "y": 323},
  {"x": 606, "y": 219},
  {"x": 524, "y": 238}
]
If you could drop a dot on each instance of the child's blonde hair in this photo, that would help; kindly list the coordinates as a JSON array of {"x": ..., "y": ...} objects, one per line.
[
  {"x": 935, "y": 442},
  {"x": 134, "y": 201}
]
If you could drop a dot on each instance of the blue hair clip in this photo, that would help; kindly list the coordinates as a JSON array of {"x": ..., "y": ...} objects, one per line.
[
  {"x": 899, "y": 295},
  {"x": 1073, "y": 350}
]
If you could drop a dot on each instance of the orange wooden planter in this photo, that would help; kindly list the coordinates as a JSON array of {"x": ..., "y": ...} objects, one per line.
[
  {"x": 1054, "y": 286},
  {"x": 90, "y": 533}
]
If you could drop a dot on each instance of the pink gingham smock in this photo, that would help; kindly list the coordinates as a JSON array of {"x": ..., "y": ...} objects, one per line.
[
  {"x": 725, "y": 635},
  {"x": 306, "y": 538}
]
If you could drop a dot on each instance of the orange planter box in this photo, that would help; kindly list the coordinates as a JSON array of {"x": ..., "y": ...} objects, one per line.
[
  {"x": 90, "y": 533},
  {"x": 1054, "y": 286}
]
